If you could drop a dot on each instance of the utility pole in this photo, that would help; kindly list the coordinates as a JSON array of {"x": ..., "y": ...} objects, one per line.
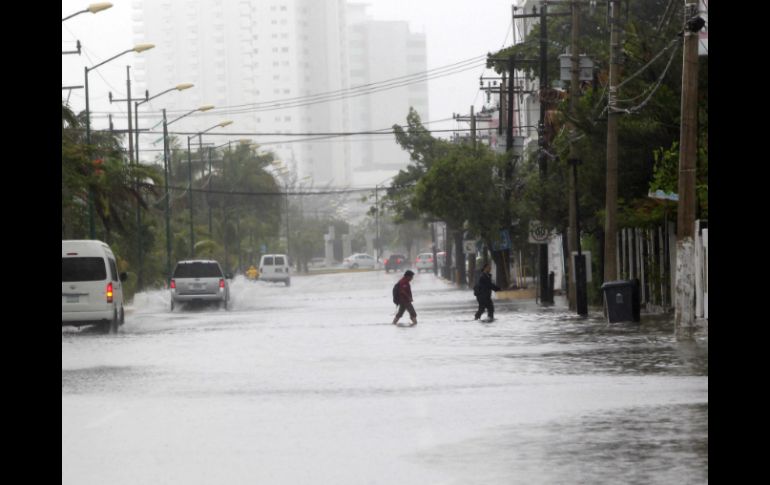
[
  {"x": 135, "y": 163},
  {"x": 208, "y": 199},
  {"x": 578, "y": 298},
  {"x": 377, "y": 221},
  {"x": 166, "y": 164},
  {"x": 473, "y": 128},
  {"x": 688, "y": 147},
  {"x": 546, "y": 295},
  {"x": 611, "y": 199}
]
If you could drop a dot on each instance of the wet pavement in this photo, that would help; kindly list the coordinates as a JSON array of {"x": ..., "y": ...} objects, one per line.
[{"x": 312, "y": 384}]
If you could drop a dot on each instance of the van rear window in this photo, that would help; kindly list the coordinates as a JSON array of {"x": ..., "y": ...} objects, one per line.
[
  {"x": 197, "y": 270},
  {"x": 268, "y": 261},
  {"x": 83, "y": 269},
  {"x": 279, "y": 261}
]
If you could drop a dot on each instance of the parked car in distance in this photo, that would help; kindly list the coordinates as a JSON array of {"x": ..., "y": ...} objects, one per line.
[
  {"x": 358, "y": 260},
  {"x": 200, "y": 281},
  {"x": 91, "y": 287},
  {"x": 424, "y": 262},
  {"x": 275, "y": 267},
  {"x": 396, "y": 262}
]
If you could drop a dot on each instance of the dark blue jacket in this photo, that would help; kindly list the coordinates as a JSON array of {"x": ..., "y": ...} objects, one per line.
[{"x": 485, "y": 286}]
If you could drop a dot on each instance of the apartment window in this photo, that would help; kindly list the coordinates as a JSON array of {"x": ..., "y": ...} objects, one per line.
[
  {"x": 277, "y": 118},
  {"x": 287, "y": 118},
  {"x": 286, "y": 91},
  {"x": 275, "y": 63},
  {"x": 283, "y": 8},
  {"x": 284, "y": 49},
  {"x": 276, "y": 77}
]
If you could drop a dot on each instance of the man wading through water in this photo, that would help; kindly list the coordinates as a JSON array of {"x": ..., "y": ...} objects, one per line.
[
  {"x": 483, "y": 292},
  {"x": 405, "y": 298}
]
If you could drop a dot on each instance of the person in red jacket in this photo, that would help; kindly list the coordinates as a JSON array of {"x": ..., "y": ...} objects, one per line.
[{"x": 405, "y": 298}]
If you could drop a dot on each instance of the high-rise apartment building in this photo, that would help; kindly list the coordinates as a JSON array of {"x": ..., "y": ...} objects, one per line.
[
  {"x": 380, "y": 51},
  {"x": 265, "y": 63}
]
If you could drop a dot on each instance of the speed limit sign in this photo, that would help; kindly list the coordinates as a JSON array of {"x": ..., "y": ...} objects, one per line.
[{"x": 538, "y": 233}]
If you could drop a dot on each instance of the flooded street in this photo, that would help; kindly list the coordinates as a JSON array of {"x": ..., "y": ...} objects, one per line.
[{"x": 312, "y": 384}]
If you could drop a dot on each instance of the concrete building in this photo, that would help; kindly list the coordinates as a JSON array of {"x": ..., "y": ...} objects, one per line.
[
  {"x": 282, "y": 66},
  {"x": 380, "y": 51}
]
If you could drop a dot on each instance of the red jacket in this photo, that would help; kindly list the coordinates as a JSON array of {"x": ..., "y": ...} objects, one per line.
[{"x": 404, "y": 291}]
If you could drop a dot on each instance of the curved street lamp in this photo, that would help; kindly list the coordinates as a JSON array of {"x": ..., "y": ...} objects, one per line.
[
  {"x": 137, "y": 48},
  {"x": 166, "y": 162},
  {"x": 189, "y": 162},
  {"x": 148, "y": 98},
  {"x": 93, "y": 8}
]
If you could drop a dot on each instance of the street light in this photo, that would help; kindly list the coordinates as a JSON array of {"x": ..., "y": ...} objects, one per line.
[
  {"x": 147, "y": 98},
  {"x": 135, "y": 154},
  {"x": 137, "y": 48},
  {"x": 208, "y": 186},
  {"x": 189, "y": 161},
  {"x": 282, "y": 171},
  {"x": 165, "y": 180},
  {"x": 93, "y": 8}
]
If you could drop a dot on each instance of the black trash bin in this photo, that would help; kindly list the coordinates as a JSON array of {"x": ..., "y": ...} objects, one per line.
[{"x": 621, "y": 299}]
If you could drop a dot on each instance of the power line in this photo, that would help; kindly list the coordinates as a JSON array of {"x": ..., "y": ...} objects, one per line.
[
  {"x": 340, "y": 191},
  {"x": 340, "y": 94}
]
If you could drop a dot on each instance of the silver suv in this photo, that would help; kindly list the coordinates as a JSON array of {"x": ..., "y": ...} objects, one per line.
[{"x": 200, "y": 280}]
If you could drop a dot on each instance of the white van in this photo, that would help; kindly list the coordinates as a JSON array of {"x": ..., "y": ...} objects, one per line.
[
  {"x": 91, "y": 288},
  {"x": 274, "y": 267}
]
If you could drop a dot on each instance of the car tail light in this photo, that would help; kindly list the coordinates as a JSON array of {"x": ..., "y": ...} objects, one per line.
[
  {"x": 398, "y": 261},
  {"x": 430, "y": 260},
  {"x": 221, "y": 283},
  {"x": 173, "y": 285},
  {"x": 108, "y": 292},
  {"x": 386, "y": 260}
]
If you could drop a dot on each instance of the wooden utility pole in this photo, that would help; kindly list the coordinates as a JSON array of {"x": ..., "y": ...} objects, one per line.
[
  {"x": 610, "y": 225},
  {"x": 684, "y": 300},
  {"x": 546, "y": 294},
  {"x": 578, "y": 298}
]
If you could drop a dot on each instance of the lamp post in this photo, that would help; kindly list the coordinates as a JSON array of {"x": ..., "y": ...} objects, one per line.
[
  {"x": 166, "y": 165},
  {"x": 189, "y": 161},
  {"x": 148, "y": 98},
  {"x": 93, "y": 8},
  {"x": 137, "y": 48},
  {"x": 283, "y": 172}
]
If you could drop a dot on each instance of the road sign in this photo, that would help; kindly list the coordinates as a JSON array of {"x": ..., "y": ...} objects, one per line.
[
  {"x": 538, "y": 233},
  {"x": 469, "y": 246},
  {"x": 504, "y": 242}
]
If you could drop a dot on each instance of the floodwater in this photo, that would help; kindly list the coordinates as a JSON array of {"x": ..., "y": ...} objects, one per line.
[{"x": 312, "y": 384}]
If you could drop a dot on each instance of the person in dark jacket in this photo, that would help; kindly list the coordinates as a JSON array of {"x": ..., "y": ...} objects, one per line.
[
  {"x": 405, "y": 298},
  {"x": 483, "y": 292}
]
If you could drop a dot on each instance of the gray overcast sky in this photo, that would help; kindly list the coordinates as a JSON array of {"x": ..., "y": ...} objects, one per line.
[{"x": 455, "y": 30}]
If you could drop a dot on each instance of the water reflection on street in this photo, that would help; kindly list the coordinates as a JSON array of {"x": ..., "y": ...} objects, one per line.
[{"x": 311, "y": 384}]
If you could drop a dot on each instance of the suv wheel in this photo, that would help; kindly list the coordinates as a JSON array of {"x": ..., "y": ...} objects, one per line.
[
  {"x": 172, "y": 304},
  {"x": 122, "y": 315}
]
